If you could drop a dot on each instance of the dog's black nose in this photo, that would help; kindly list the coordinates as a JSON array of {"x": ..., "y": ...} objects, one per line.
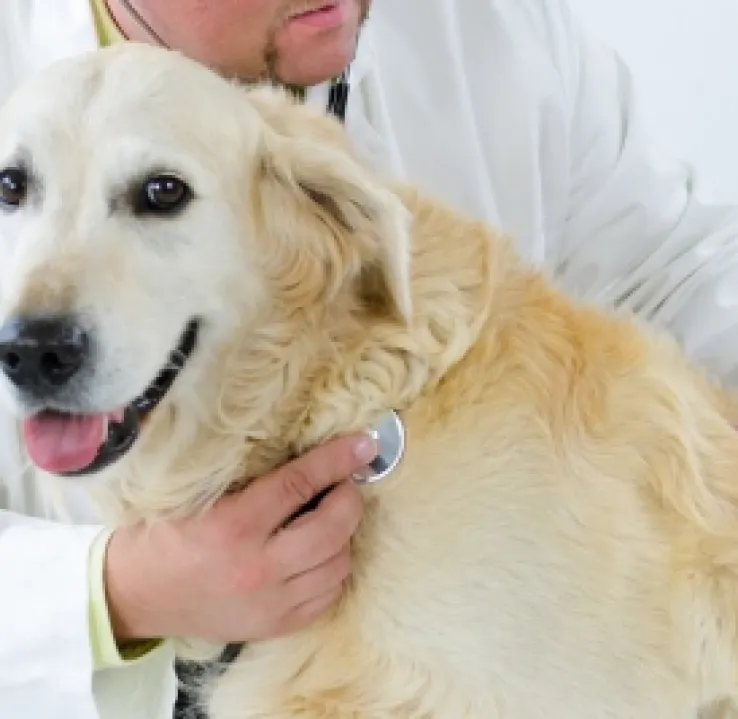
[{"x": 42, "y": 353}]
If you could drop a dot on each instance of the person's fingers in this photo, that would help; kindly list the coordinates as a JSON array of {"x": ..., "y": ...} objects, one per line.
[
  {"x": 319, "y": 535},
  {"x": 270, "y": 500},
  {"x": 307, "y": 612},
  {"x": 317, "y": 581}
]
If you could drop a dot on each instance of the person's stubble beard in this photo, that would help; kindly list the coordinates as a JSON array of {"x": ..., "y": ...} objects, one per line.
[{"x": 271, "y": 55}]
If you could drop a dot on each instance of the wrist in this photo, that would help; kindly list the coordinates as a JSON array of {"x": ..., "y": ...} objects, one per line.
[{"x": 130, "y": 589}]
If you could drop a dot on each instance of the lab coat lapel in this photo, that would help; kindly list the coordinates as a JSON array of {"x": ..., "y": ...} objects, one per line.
[
  {"x": 366, "y": 115},
  {"x": 408, "y": 107}
]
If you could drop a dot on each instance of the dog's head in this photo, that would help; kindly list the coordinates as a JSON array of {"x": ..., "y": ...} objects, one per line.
[{"x": 151, "y": 215}]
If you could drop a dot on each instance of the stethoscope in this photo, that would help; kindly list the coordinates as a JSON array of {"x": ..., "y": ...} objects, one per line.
[
  {"x": 338, "y": 96},
  {"x": 389, "y": 431}
]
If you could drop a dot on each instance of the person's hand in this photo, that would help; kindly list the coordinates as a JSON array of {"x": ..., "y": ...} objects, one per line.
[{"x": 235, "y": 573}]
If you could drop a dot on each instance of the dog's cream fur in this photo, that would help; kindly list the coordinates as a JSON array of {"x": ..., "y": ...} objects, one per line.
[{"x": 561, "y": 541}]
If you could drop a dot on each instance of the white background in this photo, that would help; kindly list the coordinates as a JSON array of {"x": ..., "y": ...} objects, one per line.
[{"x": 684, "y": 57}]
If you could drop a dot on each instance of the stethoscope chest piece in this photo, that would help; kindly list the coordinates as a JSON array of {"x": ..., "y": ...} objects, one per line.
[{"x": 389, "y": 434}]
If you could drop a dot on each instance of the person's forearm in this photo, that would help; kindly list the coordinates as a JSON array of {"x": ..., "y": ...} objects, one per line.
[{"x": 131, "y": 590}]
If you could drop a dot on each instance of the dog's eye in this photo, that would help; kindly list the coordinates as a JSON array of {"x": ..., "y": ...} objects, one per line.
[
  {"x": 165, "y": 194},
  {"x": 13, "y": 186}
]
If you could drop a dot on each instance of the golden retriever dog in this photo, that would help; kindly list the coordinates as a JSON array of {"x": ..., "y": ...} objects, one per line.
[{"x": 199, "y": 281}]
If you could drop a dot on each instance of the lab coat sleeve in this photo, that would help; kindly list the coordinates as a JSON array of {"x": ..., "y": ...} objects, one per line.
[
  {"x": 638, "y": 235},
  {"x": 46, "y": 664},
  {"x": 45, "y": 656}
]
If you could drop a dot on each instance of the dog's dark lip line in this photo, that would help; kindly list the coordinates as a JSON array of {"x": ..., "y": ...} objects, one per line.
[
  {"x": 165, "y": 379},
  {"x": 123, "y": 434}
]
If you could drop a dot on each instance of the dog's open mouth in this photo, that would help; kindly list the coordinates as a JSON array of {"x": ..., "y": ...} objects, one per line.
[{"x": 77, "y": 444}]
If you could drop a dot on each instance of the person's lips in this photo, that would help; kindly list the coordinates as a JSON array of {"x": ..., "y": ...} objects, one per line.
[{"x": 319, "y": 15}]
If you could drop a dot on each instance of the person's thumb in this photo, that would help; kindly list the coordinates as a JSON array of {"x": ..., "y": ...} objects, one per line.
[{"x": 273, "y": 498}]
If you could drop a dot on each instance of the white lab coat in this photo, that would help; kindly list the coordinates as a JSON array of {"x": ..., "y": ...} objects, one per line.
[{"x": 501, "y": 107}]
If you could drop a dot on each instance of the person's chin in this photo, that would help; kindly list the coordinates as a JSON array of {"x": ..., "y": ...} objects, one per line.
[
  {"x": 317, "y": 69},
  {"x": 316, "y": 55}
]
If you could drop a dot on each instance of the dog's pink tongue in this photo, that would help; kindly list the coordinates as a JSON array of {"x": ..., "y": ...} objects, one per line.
[{"x": 65, "y": 442}]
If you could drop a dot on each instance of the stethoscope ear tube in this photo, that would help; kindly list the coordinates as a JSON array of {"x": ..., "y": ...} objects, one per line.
[{"x": 338, "y": 96}]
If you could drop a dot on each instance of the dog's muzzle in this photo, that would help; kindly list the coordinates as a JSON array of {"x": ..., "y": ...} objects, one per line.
[
  {"x": 122, "y": 435},
  {"x": 42, "y": 358}
]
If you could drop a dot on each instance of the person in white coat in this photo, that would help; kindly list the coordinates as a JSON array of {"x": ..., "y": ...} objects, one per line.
[{"x": 507, "y": 110}]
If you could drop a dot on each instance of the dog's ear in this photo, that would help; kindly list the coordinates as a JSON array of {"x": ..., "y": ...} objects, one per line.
[{"x": 328, "y": 219}]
